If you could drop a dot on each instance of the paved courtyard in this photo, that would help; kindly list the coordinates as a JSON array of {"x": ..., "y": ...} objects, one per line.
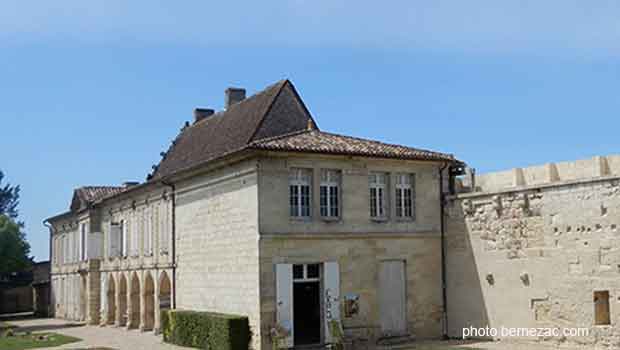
[
  {"x": 122, "y": 339},
  {"x": 94, "y": 336}
]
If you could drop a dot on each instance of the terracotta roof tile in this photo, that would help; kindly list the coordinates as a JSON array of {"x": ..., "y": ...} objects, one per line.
[
  {"x": 316, "y": 141},
  {"x": 273, "y": 111}
]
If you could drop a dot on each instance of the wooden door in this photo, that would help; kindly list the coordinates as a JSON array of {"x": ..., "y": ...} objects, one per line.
[{"x": 393, "y": 298}]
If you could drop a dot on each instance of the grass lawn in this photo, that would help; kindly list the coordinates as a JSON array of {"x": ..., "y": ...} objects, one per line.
[{"x": 35, "y": 340}]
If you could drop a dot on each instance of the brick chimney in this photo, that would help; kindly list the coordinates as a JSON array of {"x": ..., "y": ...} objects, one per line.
[
  {"x": 234, "y": 95},
  {"x": 202, "y": 113}
]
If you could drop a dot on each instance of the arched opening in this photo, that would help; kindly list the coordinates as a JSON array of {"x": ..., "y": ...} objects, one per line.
[
  {"x": 164, "y": 291},
  {"x": 134, "y": 318},
  {"x": 111, "y": 296},
  {"x": 149, "y": 302},
  {"x": 83, "y": 296},
  {"x": 122, "y": 301}
]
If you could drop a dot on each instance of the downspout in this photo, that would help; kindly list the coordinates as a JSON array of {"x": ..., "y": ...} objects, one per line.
[
  {"x": 49, "y": 290},
  {"x": 174, "y": 250},
  {"x": 443, "y": 253}
]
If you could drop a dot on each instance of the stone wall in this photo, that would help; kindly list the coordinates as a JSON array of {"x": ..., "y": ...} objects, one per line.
[
  {"x": 359, "y": 257},
  {"x": 354, "y": 240},
  {"x": 530, "y": 247},
  {"x": 217, "y": 243}
]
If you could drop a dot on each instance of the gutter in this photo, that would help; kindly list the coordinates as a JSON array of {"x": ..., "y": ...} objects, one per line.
[
  {"x": 174, "y": 250},
  {"x": 444, "y": 296}
]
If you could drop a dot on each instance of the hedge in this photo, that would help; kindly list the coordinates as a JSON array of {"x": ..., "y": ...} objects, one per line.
[{"x": 205, "y": 330}]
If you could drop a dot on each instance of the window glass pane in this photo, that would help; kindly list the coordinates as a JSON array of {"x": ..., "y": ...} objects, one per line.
[
  {"x": 380, "y": 204},
  {"x": 373, "y": 202},
  {"x": 298, "y": 271},
  {"x": 323, "y": 200},
  {"x": 305, "y": 200},
  {"x": 313, "y": 270},
  {"x": 333, "y": 201},
  {"x": 399, "y": 203},
  {"x": 408, "y": 206},
  {"x": 294, "y": 194}
]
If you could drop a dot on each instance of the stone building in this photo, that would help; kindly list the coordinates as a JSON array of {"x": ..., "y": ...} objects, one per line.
[
  {"x": 256, "y": 211},
  {"x": 538, "y": 247}
]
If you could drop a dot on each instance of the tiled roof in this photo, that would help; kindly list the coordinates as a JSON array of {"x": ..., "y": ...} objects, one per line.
[
  {"x": 86, "y": 195},
  {"x": 274, "y": 111},
  {"x": 95, "y": 193},
  {"x": 316, "y": 141}
]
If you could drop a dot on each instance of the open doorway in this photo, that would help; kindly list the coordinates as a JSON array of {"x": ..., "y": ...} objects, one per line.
[{"x": 307, "y": 304}]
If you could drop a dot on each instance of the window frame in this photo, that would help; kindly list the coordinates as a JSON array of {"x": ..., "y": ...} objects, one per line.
[
  {"x": 331, "y": 180},
  {"x": 123, "y": 239},
  {"x": 300, "y": 191},
  {"x": 404, "y": 207},
  {"x": 378, "y": 200},
  {"x": 83, "y": 241}
]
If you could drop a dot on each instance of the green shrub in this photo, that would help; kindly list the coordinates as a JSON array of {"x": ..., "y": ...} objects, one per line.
[{"x": 205, "y": 330}]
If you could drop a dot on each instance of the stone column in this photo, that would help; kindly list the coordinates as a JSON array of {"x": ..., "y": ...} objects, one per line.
[
  {"x": 117, "y": 301},
  {"x": 157, "y": 318},
  {"x": 94, "y": 294},
  {"x": 130, "y": 306},
  {"x": 142, "y": 305}
]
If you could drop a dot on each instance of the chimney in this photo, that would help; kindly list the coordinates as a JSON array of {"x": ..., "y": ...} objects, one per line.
[
  {"x": 202, "y": 113},
  {"x": 234, "y": 95}
]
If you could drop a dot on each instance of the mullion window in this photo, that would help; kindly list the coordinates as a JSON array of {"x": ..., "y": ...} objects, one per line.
[
  {"x": 378, "y": 184},
  {"x": 299, "y": 193},
  {"x": 405, "y": 195},
  {"x": 329, "y": 193}
]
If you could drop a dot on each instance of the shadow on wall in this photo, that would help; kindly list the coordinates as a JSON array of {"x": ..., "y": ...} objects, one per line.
[{"x": 466, "y": 302}]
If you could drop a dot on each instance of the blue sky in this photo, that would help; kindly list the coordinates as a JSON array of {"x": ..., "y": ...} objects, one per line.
[{"x": 92, "y": 91}]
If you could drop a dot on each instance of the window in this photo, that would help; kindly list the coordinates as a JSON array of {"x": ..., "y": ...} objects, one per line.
[
  {"x": 378, "y": 185},
  {"x": 123, "y": 238},
  {"x": 405, "y": 195},
  {"x": 299, "y": 186},
  {"x": 148, "y": 231},
  {"x": 306, "y": 272},
  {"x": 83, "y": 242},
  {"x": 330, "y": 193},
  {"x": 134, "y": 235},
  {"x": 601, "y": 308},
  {"x": 163, "y": 216}
]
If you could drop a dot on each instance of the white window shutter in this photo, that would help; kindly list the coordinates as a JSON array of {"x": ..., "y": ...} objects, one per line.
[
  {"x": 134, "y": 235},
  {"x": 115, "y": 240},
  {"x": 332, "y": 297},
  {"x": 284, "y": 298}
]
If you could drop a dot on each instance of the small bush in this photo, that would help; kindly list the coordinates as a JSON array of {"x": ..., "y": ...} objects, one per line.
[{"x": 205, "y": 330}]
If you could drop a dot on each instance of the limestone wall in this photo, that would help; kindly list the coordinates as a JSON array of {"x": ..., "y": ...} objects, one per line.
[
  {"x": 533, "y": 254},
  {"x": 547, "y": 174},
  {"x": 274, "y": 195},
  {"x": 359, "y": 257},
  {"x": 217, "y": 243}
]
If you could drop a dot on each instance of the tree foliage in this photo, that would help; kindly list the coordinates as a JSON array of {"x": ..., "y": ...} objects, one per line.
[
  {"x": 9, "y": 199},
  {"x": 14, "y": 249}
]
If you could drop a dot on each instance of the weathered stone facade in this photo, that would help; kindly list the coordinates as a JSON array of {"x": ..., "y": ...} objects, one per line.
[
  {"x": 531, "y": 247},
  {"x": 226, "y": 223}
]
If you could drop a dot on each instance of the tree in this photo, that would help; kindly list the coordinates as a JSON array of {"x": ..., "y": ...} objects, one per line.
[
  {"x": 14, "y": 249},
  {"x": 9, "y": 199}
]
